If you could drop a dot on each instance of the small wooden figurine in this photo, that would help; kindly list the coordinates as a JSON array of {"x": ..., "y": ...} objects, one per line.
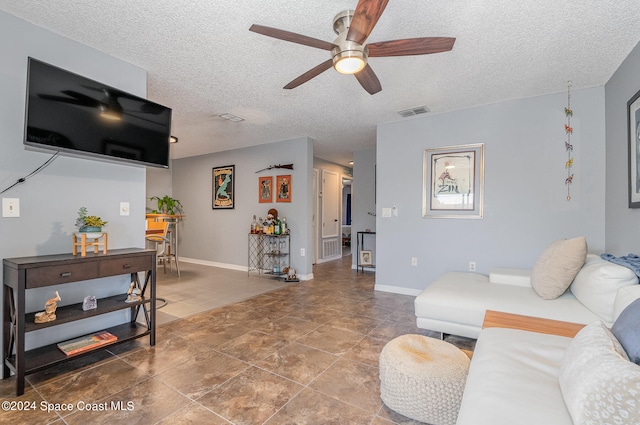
[
  {"x": 49, "y": 313},
  {"x": 134, "y": 294}
]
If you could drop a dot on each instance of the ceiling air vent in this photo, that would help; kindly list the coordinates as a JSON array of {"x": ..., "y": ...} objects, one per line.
[{"x": 413, "y": 111}]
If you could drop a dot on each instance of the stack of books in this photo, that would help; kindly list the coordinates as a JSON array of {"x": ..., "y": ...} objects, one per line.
[{"x": 87, "y": 343}]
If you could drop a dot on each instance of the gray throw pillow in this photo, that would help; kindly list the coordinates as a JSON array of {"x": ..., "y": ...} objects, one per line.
[{"x": 627, "y": 330}]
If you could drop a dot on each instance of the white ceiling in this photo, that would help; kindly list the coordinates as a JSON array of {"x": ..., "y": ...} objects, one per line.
[{"x": 202, "y": 60}]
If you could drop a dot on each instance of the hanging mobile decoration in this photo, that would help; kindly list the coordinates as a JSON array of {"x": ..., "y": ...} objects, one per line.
[{"x": 567, "y": 144}]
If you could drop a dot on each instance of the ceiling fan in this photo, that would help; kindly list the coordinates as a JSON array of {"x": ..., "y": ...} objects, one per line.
[{"x": 349, "y": 52}]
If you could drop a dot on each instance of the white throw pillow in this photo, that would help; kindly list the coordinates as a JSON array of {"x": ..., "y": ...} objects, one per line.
[
  {"x": 597, "y": 284},
  {"x": 556, "y": 267},
  {"x": 598, "y": 382}
]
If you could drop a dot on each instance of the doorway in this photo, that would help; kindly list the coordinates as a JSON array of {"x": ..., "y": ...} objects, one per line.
[{"x": 347, "y": 191}]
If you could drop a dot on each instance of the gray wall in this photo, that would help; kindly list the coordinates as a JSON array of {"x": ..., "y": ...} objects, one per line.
[
  {"x": 49, "y": 201},
  {"x": 622, "y": 228},
  {"x": 525, "y": 206},
  {"x": 219, "y": 237}
]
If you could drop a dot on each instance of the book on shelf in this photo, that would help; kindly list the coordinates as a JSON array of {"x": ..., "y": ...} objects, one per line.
[{"x": 86, "y": 343}]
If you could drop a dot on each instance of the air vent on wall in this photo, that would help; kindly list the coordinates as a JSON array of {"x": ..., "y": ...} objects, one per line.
[{"x": 413, "y": 111}]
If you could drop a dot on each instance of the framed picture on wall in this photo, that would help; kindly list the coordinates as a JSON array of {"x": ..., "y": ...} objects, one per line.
[
  {"x": 265, "y": 189},
  {"x": 453, "y": 182},
  {"x": 633, "y": 119},
  {"x": 223, "y": 187},
  {"x": 283, "y": 188}
]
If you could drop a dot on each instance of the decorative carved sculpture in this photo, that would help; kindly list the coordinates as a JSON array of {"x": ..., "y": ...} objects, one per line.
[
  {"x": 134, "y": 293},
  {"x": 49, "y": 313}
]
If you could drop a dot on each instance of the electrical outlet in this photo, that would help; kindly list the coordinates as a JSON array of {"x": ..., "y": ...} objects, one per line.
[
  {"x": 10, "y": 207},
  {"x": 302, "y": 252},
  {"x": 472, "y": 266},
  {"x": 414, "y": 261}
]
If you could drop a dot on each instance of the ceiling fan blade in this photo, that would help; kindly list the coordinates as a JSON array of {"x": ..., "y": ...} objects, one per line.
[
  {"x": 314, "y": 72},
  {"x": 292, "y": 37},
  {"x": 364, "y": 19},
  {"x": 74, "y": 99},
  {"x": 411, "y": 46},
  {"x": 369, "y": 80}
]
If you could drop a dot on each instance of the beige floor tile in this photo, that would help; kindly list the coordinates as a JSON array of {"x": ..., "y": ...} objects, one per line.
[
  {"x": 311, "y": 407},
  {"x": 298, "y": 362},
  {"x": 251, "y": 397},
  {"x": 352, "y": 382}
]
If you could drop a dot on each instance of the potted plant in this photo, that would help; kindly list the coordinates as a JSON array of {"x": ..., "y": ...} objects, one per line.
[
  {"x": 89, "y": 223},
  {"x": 166, "y": 205}
]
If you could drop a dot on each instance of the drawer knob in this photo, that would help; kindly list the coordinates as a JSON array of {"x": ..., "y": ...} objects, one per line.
[
  {"x": 65, "y": 274},
  {"x": 126, "y": 266}
]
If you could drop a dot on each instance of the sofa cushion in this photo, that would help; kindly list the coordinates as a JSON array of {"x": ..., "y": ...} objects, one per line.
[
  {"x": 513, "y": 379},
  {"x": 597, "y": 283},
  {"x": 556, "y": 267},
  {"x": 627, "y": 330},
  {"x": 598, "y": 382}
]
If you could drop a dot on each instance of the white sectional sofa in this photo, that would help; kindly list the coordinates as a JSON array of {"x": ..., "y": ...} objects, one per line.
[
  {"x": 457, "y": 301},
  {"x": 529, "y": 378}
]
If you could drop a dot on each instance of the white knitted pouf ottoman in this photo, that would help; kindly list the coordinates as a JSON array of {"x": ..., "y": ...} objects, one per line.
[{"x": 423, "y": 378}]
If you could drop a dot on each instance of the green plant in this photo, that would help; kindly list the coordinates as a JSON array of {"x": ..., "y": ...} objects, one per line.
[
  {"x": 85, "y": 220},
  {"x": 167, "y": 205}
]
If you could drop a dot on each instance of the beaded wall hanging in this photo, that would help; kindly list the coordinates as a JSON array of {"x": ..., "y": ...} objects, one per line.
[{"x": 567, "y": 144}]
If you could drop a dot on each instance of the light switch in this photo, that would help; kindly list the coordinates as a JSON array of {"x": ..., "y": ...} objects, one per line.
[
  {"x": 386, "y": 212},
  {"x": 10, "y": 207},
  {"x": 124, "y": 208}
]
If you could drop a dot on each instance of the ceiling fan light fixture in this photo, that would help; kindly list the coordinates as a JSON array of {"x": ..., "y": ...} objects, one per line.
[
  {"x": 349, "y": 61},
  {"x": 110, "y": 113}
]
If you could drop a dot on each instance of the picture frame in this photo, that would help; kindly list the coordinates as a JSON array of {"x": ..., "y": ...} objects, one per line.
[
  {"x": 283, "y": 188},
  {"x": 366, "y": 258},
  {"x": 265, "y": 189},
  {"x": 633, "y": 126},
  {"x": 453, "y": 182},
  {"x": 223, "y": 187}
]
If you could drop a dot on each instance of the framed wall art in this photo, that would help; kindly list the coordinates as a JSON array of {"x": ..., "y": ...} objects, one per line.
[
  {"x": 366, "y": 258},
  {"x": 453, "y": 182},
  {"x": 283, "y": 187},
  {"x": 633, "y": 119},
  {"x": 223, "y": 187},
  {"x": 265, "y": 189}
]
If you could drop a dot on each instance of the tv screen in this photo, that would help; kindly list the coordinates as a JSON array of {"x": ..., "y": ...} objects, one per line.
[{"x": 71, "y": 114}]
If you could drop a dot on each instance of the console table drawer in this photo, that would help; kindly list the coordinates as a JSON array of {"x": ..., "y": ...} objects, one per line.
[
  {"x": 116, "y": 266},
  {"x": 55, "y": 275}
]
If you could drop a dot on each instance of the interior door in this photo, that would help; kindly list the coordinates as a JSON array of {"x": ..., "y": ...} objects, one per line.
[{"x": 330, "y": 204}]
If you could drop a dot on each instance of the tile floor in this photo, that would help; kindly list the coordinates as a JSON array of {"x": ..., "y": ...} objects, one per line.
[{"x": 306, "y": 353}]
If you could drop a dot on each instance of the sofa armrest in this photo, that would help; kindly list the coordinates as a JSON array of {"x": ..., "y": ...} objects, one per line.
[
  {"x": 499, "y": 319},
  {"x": 507, "y": 276}
]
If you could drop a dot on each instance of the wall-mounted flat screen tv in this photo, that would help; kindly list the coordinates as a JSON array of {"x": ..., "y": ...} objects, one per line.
[{"x": 75, "y": 115}]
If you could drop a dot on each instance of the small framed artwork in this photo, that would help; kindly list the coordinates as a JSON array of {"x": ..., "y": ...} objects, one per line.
[
  {"x": 223, "y": 187},
  {"x": 265, "y": 189},
  {"x": 633, "y": 119},
  {"x": 283, "y": 185},
  {"x": 453, "y": 182},
  {"x": 366, "y": 258}
]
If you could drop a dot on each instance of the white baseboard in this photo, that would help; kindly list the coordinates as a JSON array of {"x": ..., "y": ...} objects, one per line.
[
  {"x": 214, "y": 264},
  {"x": 398, "y": 290},
  {"x": 324, "y": 260},
  {"x": 231, "y": 266}
]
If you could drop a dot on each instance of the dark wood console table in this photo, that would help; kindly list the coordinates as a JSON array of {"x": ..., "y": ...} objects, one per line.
[{"x": 21, "y": 274}]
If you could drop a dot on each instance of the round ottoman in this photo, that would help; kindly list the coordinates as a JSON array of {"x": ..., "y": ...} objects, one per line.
[{"x": 423, "y": 378}]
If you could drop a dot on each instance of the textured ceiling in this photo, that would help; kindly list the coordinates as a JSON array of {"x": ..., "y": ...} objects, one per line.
[{"x": 202, "y": 60}]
